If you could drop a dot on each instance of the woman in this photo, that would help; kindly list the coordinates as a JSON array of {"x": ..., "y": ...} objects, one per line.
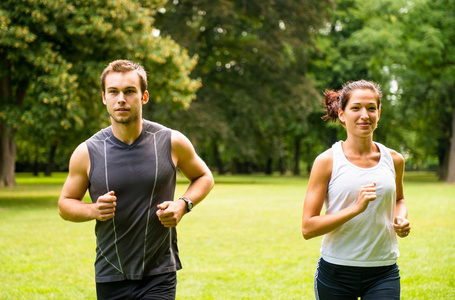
[{"x": 360, "y": 182}]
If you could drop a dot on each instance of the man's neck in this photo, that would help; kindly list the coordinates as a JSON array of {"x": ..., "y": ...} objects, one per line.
[{"x": 127, "y": 132}]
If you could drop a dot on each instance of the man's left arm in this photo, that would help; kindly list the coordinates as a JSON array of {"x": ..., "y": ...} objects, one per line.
[{"x": 194, "y": 168}]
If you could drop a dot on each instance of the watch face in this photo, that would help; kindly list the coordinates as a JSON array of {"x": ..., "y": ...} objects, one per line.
[{"x": 190, "y": 205}]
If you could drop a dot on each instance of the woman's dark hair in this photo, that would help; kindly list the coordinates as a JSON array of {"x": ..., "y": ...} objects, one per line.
[{"x": 334, "y": 100}]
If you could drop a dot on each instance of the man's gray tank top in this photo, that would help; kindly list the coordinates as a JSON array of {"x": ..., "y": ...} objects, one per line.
[{"x": 134, "y": 243}]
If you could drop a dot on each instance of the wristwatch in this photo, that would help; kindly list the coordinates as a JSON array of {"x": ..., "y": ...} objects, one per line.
[{"x": 189, "y": 204}]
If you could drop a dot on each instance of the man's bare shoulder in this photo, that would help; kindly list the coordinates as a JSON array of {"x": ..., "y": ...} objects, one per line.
[
  {"x": 81, "y": 150},
  {"x": 180, "y": 142},
  {"x": 80, "y": 159}
]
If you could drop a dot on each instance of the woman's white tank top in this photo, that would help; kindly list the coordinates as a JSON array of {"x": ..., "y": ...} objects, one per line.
[{"x": 367, "y": 240}]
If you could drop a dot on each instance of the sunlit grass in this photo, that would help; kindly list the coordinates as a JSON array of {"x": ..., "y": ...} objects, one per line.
[{"x": 242, "y": 242}]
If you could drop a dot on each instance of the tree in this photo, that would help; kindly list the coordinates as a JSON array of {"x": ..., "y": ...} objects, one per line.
[
  {"x": 427, "y": 78},
  {"x": 411, "y": 42},
  {"x": 365, "y": 41},
  {"x": 253, "y": 62},
  {"x": 343, "y": 55},
  {"x": 51, "y": 55}
]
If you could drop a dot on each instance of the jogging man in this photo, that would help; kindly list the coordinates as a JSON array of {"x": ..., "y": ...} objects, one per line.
[{"x": 129, "y": 169}]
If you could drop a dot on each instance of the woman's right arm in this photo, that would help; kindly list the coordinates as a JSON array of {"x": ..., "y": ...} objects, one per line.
[{"x": 313, "y": 223}]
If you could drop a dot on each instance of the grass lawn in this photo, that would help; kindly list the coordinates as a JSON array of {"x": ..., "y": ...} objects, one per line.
[{"x": 242, "y": 242}]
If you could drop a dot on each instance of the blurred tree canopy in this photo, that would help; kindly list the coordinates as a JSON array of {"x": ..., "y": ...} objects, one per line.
[
  {"x": 51, "y": 55},
  {"x": 252, "y": 103},
  {"x": 406, "y": 46},
  {"x": 251, "y": 113}
]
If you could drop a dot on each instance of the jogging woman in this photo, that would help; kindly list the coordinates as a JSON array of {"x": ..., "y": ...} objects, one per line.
[{"x": 360, "y": 183}]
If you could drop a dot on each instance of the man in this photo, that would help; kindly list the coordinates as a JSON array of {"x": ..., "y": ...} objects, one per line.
[{"x": 130, "y": 169}]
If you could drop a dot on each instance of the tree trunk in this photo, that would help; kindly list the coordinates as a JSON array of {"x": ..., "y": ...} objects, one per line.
[
  {"x": 443, "y": 158},
  {"x": 7, "y": 142},
  {"x": 36, "y": 163},
  {"x": 50, "y": 161},
  {"x": 281, "y": 166},
  {"x": 7, "y": 156},
  {"x": 268, "y": 166},
  {"x": 217, "y": 157},
  {"x": 451, "y": 165},
  {"x": 297, "y": 153}
]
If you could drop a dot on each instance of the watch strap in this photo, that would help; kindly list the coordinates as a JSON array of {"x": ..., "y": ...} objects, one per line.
[{"x": 189, "y": 203}]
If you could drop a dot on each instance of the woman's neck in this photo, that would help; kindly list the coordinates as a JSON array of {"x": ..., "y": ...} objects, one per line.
[{"x": 359, "y": 146}]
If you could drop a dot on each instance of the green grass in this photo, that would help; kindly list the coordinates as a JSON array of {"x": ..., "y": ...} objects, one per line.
[{"x": 242, "y": 242}]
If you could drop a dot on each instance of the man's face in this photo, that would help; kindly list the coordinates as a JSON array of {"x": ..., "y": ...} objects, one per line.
[{"x": 123, "y": 97}]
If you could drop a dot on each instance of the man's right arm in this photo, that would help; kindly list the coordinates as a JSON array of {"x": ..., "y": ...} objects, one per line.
[{"x": 70, "y": 204}]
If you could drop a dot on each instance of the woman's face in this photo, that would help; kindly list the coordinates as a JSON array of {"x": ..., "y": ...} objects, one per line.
[{"x": 362, "y": 113}]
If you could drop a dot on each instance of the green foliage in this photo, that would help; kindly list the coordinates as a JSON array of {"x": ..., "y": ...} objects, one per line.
[
  {"x": 253, "y": 61},
  {"x": 237, "y": 244},
  {"x": 425, "y": 72},
  {"x": 406, "y": 47},
  {"x": 260, "y": 73},
  {"x": 54, "y": 51}
]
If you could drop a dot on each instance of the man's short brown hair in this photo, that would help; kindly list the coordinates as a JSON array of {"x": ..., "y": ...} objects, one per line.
[{"x": 122, "y": 66}]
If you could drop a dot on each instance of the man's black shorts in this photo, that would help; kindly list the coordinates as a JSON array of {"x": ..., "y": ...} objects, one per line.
[{"x": 157, "y": 287}]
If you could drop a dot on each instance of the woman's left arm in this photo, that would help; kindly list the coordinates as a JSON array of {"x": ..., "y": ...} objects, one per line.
[{"x": 401, "y": 224}]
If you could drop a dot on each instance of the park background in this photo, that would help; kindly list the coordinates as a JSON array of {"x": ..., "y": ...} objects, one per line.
[{"x": 244, "y": 81}]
